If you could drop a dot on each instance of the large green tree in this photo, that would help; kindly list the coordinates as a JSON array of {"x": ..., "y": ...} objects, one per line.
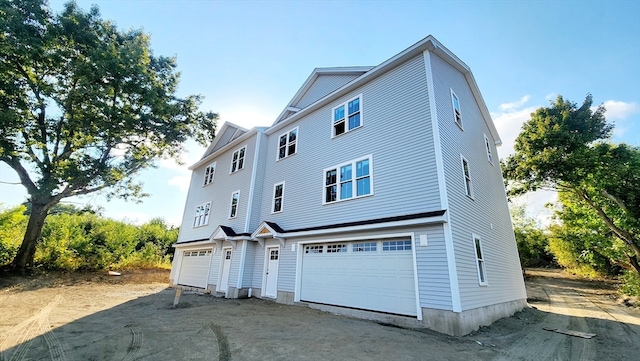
[
  {"x": 565, "y": 147},
  {"x": 84, "y": 107}
]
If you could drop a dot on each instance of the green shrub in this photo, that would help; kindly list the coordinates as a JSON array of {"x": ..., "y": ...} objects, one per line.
[
  {"x": 631, "y": 285},
  {"x": 13, "y": 223}
]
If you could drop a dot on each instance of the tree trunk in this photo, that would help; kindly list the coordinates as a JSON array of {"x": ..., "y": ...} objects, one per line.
[{"x": 24, "y": 257}]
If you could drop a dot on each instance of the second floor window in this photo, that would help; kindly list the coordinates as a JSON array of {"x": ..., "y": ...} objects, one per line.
[
  {"x": 468, "y": 186},
  {"x": 201, "y": 215},
  {"x": 489, "y": 152},
  {"x": 235, "y": 198},
  {"x": 347, "y": 116},
  {"x": 278, "y": 196},
  {"x": 288, "y": 144},
  {"x": 237, "y": 160},
  {"x": 348, "y": 180},
  {"x": 209, "y": 172}
]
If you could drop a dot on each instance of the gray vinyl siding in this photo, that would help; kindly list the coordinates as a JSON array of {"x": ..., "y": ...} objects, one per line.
[
  {"x": 214, "y": 270},
  {"x": 222, "y": 140},
  {"x": 248, "y": 265},
  {"x": 263, "y": 161},
  {"x": 322, "y": 86},
  {"x": 258, "y": 265},
  {"x": 487, "y": 214},
  {"x": 433, "y": 272},
  {"x": 235, "y": 264},
  {"x": 287, "y": 268},
  {"x": 396, "y": 131},
  {"x": 219, "y": 194}
]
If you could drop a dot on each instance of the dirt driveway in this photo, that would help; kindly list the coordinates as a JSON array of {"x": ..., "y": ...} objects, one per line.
[{"x": 132, "y": 318}]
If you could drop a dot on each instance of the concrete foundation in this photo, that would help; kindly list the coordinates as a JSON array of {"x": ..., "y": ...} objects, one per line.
[
  {"x": 238, "y": 292},
  {"x": 447, "y": 322},
  {"x": 285, "y": 297}
]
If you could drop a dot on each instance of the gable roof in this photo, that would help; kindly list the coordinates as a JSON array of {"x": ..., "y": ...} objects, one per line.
[
  {"x": 430, "y": 43},
  {"x": 228, "y": 135},
  {"x": 293, "y": 105}
]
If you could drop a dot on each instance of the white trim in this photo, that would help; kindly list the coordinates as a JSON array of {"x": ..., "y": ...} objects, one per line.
[
  {"x": 487, "y": 146},
  {"x": 287, "y": 155},
  {"x": 243, "y": 256},
  {"x": 244, "y": 157},
  {"x": 475, "y": 237},
  {"x": 252, "y": 187},
  {"x": 345, "y": 104},
  {"x": 273, "y": 198},
  {"x": 264, "y": 270},
  {"x": 187, "y": 245},
  {"x": 455, "y": 96},
  {"x": 467, "y": 192},
  {"x": 415, "y": 275},
  {"x": 231, "y": 205},
  {"x": 204, "y": 180},
  {"x": 444, "y": 196},
  {"x": 354, "y": 180},
  {"x": 298, "y": 285}
]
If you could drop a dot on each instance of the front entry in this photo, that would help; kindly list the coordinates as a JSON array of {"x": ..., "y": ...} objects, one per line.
[
  {"x": 226, "y": 268},
  {"x": 271, "y": 272}
]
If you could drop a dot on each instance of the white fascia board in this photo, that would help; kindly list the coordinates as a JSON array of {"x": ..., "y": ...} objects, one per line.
[
  {"x": 193, "y": 244},
  {"x": 222, "y": 128},
  {"x": 234, "y": 143},
  {"x": 364, "y": 227}
]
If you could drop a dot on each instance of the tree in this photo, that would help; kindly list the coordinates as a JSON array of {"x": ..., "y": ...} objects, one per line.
[
  {"x": 84, "y": 107},
  {"x": 530, "y": 239},
  {"x": 564, "y": 147}
]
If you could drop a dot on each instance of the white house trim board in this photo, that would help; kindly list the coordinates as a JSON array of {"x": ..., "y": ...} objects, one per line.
[
  {"x": 414, "y": 257},
  {"x": 444, "y": 200},
  {"x": 243, "y": 256},
  {"x": 252, "y": 187}
]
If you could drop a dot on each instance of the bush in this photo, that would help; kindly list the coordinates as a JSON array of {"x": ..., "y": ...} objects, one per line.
[
  {"x": 631, "y": 285},
  {"x": 13, "y": 223}
]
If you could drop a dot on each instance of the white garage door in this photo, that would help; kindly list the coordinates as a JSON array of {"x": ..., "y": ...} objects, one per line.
[
  {"x": 194, "y": 270},
  {"x": 371, "y": 275}
]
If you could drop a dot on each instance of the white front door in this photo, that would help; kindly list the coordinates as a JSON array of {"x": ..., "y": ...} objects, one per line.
[
  {"x": 226, "y": 268},
  {"x": 271, "y": 283}
]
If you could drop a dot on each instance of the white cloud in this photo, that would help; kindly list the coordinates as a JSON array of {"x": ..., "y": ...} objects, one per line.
[
  {"x": 514, "y": 105},
  {"x": 180, "y": 181},
  {"x": 551, "y": 96},
  {"x": 620, "y": 110},
  {"x": 535, "y": 202},
  {"x": 509, "y": 125}
]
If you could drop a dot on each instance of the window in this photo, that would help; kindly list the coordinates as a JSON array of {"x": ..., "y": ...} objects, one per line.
[
  {"x": 287, "y": 144},
  {"x": 457, "y": 114},
  {"x": 482, "y": 274},
  {"x": 347, "y": 116},
  {"x": 201, "y": 215},
  {"x": 209, "y": 172},
  {"x": 348, "y": 180},
  {"x": 278, "y": 195},
  {"x": 488, "y": 146},
  {"x": 237, "y": 161},
  {"x": 365, "y": 247},
  {"x": 335, "y": 248},
  {"x": 235, "y": 197},
  {"x": 468, "y": 187},
  {"x": 396, "y": 245},
  {"x": 313, "y": 249},
  {"x": 273, "y": 255}
]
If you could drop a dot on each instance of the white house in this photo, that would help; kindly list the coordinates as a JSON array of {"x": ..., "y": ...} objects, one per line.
[{"x": 377, "y": 192}]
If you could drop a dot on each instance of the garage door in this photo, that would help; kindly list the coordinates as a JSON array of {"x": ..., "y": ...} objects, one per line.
[
  {"x": 194, "y": 270},
  {"x": 371, "y": 275}
]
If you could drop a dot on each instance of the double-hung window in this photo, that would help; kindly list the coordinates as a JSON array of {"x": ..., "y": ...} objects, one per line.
[
  {"x": 489, "y": 152},
  {"x": 482, "y": 273},
  {"x": 201, "y": 215},
  {"x": 278, "y": 197},
  {"x": 348, "y": 180},
  {"x": 468, "y": 186},
  {"x": 347, "y": 116},
  {"x": 209, "y": 173},
  {"x": 457, "y": 113},
  {"x": 237, "y": 160},
  {"x": 288, "y": 143},
  {"x": 235, "y": 198}
]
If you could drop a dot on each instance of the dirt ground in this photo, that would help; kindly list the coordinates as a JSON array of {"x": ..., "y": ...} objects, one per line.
[{"x": 96, "y": 317}]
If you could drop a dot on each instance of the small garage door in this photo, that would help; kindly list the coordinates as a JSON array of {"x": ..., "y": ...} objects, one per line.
[
  {"x": 371, "y": 275},
  {"x": 194, "y": 270}
]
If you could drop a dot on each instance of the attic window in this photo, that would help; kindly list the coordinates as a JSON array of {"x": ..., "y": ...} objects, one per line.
[
  {"x": 209, "y": 173},
  {"x": 288, "y": 143},
  {"x": 347, "y": 116},
  {"x": 237, "y": 161}
]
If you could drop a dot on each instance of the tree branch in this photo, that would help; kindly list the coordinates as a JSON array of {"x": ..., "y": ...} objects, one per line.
[{"x": 25, "y": 180}]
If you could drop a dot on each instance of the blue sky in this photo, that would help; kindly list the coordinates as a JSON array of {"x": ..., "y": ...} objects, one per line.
[{"x": 248, "y": 58}]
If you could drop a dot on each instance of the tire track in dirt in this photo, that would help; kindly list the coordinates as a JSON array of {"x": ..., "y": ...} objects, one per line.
[
  {"x": 21, "y": 335},
  {"x": 224, "y": 353},
  {"x": 136, "y": 342}
]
